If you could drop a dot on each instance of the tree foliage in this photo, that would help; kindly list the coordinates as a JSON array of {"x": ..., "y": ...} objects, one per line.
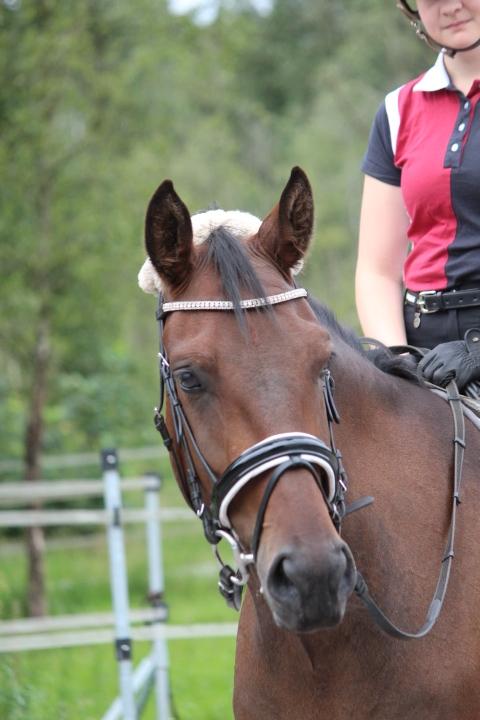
[{"x": 99, "y": 102}]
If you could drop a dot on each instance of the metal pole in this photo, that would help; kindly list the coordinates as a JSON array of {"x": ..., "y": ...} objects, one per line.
[
  {"x": 118, "y": 581},
  {"x": 156, "y": 587},
  {"x": 143, "y": 679}
]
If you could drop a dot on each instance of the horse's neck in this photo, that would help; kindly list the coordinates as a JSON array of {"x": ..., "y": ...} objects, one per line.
[
  {"x": 394, "y": 435},
  {"x": 396, "y": 441},
  {"x": 366, "y": 391}
]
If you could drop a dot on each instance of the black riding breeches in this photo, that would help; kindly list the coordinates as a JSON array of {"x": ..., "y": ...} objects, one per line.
[{"x": 427, "y": 330}]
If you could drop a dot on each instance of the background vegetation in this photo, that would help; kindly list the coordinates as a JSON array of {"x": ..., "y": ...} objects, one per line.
[
  {"x": 103, "y": 99},
  {"x": 80, "y": 683},
  {"x": 100, "y": 100}
]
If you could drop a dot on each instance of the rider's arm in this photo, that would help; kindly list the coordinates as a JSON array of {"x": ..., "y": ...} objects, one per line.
[{"x": 382, "y": 250}]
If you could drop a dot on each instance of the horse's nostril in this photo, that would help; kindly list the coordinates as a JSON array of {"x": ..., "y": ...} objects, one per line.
[
  {"x": 296, "y": 577},
  {"x": 279, "y": 582}
]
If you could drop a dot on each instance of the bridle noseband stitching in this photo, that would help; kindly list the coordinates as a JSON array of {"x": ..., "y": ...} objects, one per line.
[{"x": 282, "y": 452}]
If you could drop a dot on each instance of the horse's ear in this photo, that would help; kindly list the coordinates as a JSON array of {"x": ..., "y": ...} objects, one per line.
[
  {"x": 168, "y": 235},
  {"x": 286, "y": 231}
]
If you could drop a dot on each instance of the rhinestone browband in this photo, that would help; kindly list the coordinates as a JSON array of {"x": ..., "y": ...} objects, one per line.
[{"x": 228, "y": 305}]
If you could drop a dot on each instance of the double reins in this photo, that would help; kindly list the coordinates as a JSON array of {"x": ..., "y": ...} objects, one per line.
[
  {"x": 279, "y": 454},
  {"x": 361, "y": 588}
]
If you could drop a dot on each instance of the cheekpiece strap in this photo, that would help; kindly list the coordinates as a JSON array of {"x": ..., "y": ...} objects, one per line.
[{"x": 328, "y": 387}]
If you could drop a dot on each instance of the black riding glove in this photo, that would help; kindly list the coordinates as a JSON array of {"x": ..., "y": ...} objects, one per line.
[{"x": 459, "y": 360}]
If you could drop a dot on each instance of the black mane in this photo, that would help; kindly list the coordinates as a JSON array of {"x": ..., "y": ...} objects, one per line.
[
  {"x": 380, "y": 355},
  {"x": 229, "y": 258}
]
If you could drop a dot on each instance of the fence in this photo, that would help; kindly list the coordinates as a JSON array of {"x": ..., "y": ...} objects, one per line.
[
  {"x": 50, "y": 462},
  {"x": 135, "y": 684}
]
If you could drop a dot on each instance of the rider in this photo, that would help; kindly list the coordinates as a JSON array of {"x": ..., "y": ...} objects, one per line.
[{"x": 422, "y": 194}]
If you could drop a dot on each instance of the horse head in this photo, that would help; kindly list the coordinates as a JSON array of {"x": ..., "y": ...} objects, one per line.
[{"x": 249, "y": 406}]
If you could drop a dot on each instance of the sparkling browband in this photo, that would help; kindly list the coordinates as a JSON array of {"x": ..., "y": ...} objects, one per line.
[{"x": 228, "y": 305}]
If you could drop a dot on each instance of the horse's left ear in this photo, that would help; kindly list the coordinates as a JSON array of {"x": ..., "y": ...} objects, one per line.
[
  {"x": 169, "y": 235},
  {"x": 285, "y": 233}
]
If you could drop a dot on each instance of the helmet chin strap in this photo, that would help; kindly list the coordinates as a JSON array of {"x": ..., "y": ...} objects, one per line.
[
  {"x": 414, "y": 18},
  {"x": 451, "y": 52}
]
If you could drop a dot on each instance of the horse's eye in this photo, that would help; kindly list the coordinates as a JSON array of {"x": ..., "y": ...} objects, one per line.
[{"x": 188, "y": 380}]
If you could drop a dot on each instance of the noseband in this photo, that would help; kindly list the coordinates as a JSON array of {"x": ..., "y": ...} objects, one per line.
[{"x": 277, "y": 454}]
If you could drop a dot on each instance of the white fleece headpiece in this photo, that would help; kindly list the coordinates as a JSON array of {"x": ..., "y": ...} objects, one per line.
[{"x": 240, "y": 224}]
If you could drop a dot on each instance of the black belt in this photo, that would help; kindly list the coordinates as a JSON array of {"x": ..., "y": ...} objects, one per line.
[{"x": 430, "y": 301}]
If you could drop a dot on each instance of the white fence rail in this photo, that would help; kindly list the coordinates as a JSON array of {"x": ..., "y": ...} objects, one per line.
[
  {"x": 51, "y": 518},
  {"x": 16, "y": 492},
  {"x": 102, "y": 636},
  {"x": 151, "y": 452},
  {"x": 55, "y": 623},
  {"x": 93, "y": 629},
  {"x": 23, "y": 492}
]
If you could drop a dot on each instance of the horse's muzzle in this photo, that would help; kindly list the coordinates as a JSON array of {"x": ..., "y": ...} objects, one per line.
[{"x": 307, "y": 592}]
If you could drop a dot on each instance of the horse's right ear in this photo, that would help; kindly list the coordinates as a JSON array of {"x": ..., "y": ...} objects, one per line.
[
  {"x": 169, "y": 235},
  {"x": 286, "y": 232}
]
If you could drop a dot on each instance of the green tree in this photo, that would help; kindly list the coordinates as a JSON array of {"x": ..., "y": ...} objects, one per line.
[{"x": 71, "y": 115}]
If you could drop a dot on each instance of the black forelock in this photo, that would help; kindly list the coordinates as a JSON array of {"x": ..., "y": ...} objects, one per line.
[{"x": 230, "y": 259}]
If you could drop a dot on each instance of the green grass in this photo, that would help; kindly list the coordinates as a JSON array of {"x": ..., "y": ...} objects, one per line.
[{"x": 80, "y": 683}]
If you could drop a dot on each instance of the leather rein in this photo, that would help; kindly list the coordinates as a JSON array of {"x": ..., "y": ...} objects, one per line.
[{"x": 279, "y": 453}]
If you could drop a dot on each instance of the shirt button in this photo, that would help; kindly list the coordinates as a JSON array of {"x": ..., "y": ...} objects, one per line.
[
  {"x": 467, "y": 105},
  {"x": 454, "y": 147},
  {"x": 461, "y": 127}
]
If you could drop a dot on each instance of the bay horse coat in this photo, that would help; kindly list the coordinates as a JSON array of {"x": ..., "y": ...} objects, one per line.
[{"x": 247, "y": 378}]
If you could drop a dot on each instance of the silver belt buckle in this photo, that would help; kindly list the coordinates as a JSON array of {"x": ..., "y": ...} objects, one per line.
[{"x": 421, "y": 301}]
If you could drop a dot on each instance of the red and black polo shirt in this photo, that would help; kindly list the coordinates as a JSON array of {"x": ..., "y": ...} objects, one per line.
[{"x": 426, "y": 139}]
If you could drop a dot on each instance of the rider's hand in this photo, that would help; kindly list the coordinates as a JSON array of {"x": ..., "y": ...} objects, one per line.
[{"x": 459, "y": 360}]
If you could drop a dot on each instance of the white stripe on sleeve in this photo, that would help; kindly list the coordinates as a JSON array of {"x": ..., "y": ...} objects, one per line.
[{"x": 393, "y": 115}]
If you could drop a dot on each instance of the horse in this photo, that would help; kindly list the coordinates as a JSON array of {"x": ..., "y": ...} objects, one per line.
[{"x": 278, "y": 419}]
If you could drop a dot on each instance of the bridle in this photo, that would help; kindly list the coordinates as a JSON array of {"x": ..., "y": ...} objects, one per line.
[
  {"x": 280, "y": 453},
  {"x": 276, "y": 453}
]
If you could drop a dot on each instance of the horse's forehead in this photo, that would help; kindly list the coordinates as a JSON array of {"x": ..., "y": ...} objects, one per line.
[
  {"x": 217, "y": 338},
  {"x": 240, "y": 224}
]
